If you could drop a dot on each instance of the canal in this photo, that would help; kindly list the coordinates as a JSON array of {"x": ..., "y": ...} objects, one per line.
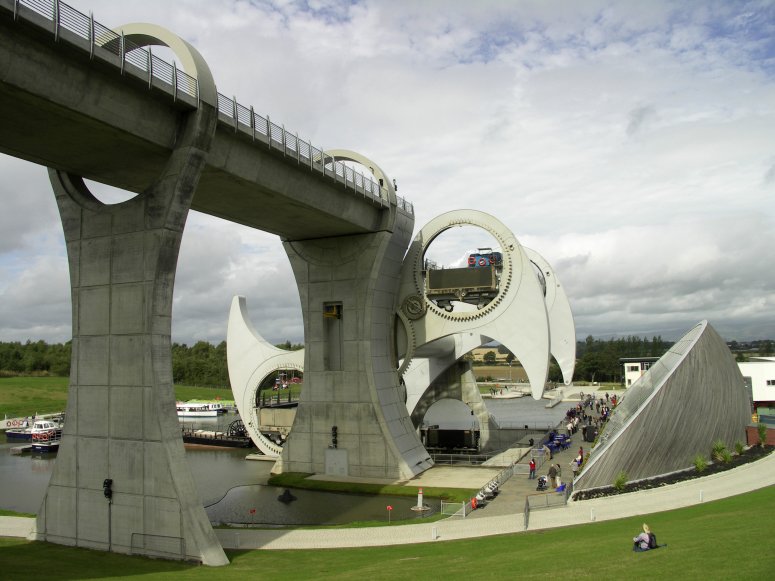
[{"x": 234, "y": 489}]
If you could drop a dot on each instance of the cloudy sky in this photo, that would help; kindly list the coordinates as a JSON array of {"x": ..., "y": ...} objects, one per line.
[{"x": 631, "y": 143}]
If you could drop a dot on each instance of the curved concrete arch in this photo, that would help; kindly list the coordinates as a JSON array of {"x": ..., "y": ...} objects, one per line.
[
  {"x": 250, "y": 360},
  {"x": 562, "y": 330},
  {"x": 691, "y": 397},
  {"x": 516, "y": 317},
  {"x": 433, "y": 359},
  {"x": 382, "y": 177},
  {"x": 376, "y": 171},
  {"x": 191, "y": 61}
]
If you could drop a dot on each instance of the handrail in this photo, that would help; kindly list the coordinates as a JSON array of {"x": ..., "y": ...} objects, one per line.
[{"x": 161, "y": 74}]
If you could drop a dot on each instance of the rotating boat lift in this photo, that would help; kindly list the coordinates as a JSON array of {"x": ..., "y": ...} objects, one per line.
[{"x": 524, "y": 308}]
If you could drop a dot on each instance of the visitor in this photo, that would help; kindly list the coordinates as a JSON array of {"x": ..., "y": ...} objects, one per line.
[
  {"x": 532, "y": 469},
  {"x": 552, "y": 476},
  {"x": 642, "y": 541}
]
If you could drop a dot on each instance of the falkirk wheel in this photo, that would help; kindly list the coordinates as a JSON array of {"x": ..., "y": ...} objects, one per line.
[{"x": 514, "y": 298}]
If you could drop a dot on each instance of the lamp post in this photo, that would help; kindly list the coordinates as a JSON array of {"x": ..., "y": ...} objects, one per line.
[{"x": 509, "y": 371}]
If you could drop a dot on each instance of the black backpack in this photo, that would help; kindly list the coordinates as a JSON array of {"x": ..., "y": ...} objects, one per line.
[{"x": 652, "y": 541}]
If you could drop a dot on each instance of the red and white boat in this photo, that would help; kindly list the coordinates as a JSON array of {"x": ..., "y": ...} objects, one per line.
[{"x": 46, "y": 436}]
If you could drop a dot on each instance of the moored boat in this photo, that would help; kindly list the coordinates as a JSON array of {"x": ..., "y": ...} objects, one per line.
[
  {"x": 196, "y": 410},
  {"x": 45, "y": 436}
]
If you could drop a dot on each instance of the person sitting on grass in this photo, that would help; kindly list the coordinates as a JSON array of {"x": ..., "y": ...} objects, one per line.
[{"x": 643, "y": 541}]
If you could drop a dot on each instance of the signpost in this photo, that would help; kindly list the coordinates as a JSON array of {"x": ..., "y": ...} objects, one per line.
[
  {"x": 252, "y": 512},
  {"x": 389, "y": 509}
]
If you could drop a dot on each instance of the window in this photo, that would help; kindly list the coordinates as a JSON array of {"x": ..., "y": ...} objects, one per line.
[
  {"x": 633, "y": 368},
  {"x": 771, "y": 382},
  {"x": 332, "y": 329}
]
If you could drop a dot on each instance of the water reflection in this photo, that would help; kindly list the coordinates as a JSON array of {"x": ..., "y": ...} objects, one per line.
[
  {"x": 230, "y": 486},
  {"x": 309, "y": 508}
]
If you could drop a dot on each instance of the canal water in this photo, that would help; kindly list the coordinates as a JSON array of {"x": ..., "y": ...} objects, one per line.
[{"x": 234, "y": 489}]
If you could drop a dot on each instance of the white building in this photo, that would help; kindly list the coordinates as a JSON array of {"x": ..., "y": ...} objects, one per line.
[
  {"x": 759, "y": 375},
  {"x": 634, "y": 367}
]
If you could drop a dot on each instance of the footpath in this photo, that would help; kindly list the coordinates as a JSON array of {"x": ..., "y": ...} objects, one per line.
[{"x": 501, "y": 516}]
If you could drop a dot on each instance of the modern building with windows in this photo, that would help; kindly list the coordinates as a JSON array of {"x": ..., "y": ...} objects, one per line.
[
  {"x": 634, "y": 367},
  {"x": 759, "y": 376}
]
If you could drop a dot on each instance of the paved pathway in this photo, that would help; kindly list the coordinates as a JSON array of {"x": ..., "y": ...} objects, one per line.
[{"x": 501, "y": 516}]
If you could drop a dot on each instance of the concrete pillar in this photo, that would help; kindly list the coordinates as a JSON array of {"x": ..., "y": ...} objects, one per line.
[
  {"x": 348, "y": 289},
  {"x": 121, "y": 422}
]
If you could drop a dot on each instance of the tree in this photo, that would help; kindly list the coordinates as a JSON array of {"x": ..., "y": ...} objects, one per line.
[{"x": 490, "y": 357}]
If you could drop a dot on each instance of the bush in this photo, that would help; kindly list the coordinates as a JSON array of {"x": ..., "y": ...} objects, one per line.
[
  {"x": 726, "y": 456},
  {"x": 621, "y": 481},
  {"x": 762, "y": 428},
  {"x": 717, "y": 451},
  {"x": 700, "y": 463},
  {"x": 739, "y": 447}
]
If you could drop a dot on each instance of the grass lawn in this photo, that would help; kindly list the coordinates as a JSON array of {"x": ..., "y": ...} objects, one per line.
[
  {"x": 25, "y": 396},
  {"x": 726, "y": 539},
  {"x": 299, "y": 480}
]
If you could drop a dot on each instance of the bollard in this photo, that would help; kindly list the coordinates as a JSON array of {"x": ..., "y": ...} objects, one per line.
[
  {"x": 700, "y": 495},
  {"x": 591, "y": 514},
  {"x": 419, "y": 497},
  {"x": 434, "y": 534}
]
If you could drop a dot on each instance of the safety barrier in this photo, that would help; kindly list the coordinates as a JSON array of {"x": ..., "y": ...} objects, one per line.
[
  {"x": 157, "y": 545},
  {"x": 460, "y": 509},
  {"x": 141, "y": 62},
  {"x": 546, "y": 500}
]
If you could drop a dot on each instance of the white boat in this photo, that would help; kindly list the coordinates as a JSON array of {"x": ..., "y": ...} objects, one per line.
[
  {"x": 197, "y": 410},
  {"x": 45, "y": 436}
]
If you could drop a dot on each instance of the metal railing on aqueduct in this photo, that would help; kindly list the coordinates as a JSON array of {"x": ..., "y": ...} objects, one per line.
[{"x": 141, "y": 62}]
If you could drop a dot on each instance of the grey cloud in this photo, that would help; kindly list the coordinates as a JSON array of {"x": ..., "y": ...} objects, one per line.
[
  {"x": 769, "y": 175},
  {"x": 638, "y": 117}
]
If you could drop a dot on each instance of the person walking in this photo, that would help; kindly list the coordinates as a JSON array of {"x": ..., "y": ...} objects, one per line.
[
  {"x": 552, "y": 476},
  {"x": 532, "y": 469}
]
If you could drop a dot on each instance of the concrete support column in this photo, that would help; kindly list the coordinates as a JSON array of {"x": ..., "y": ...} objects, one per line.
[
  {"x": 121, "y": 422},
  {"x": 348, "y": 289}
]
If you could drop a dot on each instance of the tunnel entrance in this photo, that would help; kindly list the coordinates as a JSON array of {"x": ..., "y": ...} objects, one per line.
[{"x": 450, "y": 427}]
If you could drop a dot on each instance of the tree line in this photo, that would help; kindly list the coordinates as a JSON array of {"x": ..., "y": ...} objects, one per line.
[
  {"x": 202, "y": 364},
  {"x": 597, "y": 359}
]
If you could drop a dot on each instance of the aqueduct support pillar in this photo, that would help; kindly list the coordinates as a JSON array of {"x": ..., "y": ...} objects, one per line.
[
  {"x": 121, "y": 427},
  {"x": 352, "y": 418}
]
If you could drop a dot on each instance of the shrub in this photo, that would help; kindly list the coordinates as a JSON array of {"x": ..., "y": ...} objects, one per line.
[
  {"x": 726, "y": 456},
  {"x": 762, "y": 428},
  {"x": 739, "y": 447},
  {"x": 717, "y": 451},
  {"x": 700, "y": 463},
  {"x": 621, "y": 481}
]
